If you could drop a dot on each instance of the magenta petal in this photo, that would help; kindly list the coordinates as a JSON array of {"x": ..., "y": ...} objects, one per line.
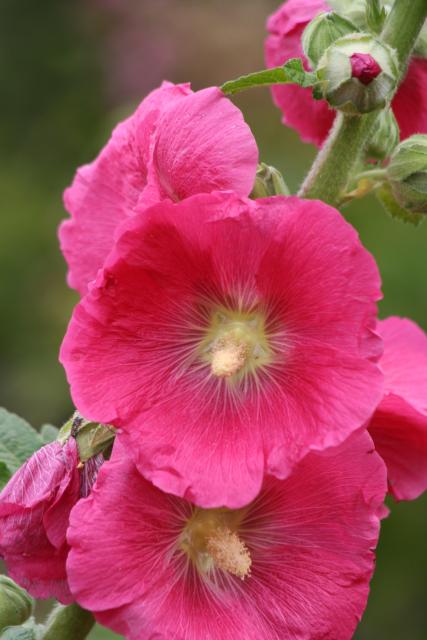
[
  {"x": 104, "y": 192},
  {"x": 311, "y": 539},
  {"x": 34, "y": 511},
  {"x": 410, "y": 103},
  {"x": 399, "y": 426},
  {"x": 131, "y": 350},
  {"x": 400, "y": 435},
  {"x": 203, "y": 144}
]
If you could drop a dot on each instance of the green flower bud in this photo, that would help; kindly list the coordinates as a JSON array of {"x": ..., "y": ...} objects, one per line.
[
  {"x": 407, "y": 174},
  {"x": 353, "y": 10},
  {"x": 323, "y": 31},
  {"x": 268, "y": 182},
  {"x": 16, "y": 605},
  {"x": 385, "y": 138},
  {"x": 358, "y": 74}
]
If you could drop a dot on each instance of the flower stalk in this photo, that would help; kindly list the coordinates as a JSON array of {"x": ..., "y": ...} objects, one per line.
[{"x": 350, "y": 134}]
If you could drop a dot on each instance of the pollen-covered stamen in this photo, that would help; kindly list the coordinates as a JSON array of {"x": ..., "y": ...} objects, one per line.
[
  {"x": 235, "y": 344},
  {"x": 229, "y": 553},
  {"x": 211, "y": 541},
  {"x": 229, "y": 356}
]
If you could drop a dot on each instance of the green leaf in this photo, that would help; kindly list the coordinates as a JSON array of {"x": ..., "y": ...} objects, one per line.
[
  {"x": 18, "y": 440},
  {"x": 375, "y": 15},
  {"x": 5, "y": 475},
  {"x": 291, "y": 72},
  {"x": 49, "y": 433},
  {"x": 393, "y": 208}
]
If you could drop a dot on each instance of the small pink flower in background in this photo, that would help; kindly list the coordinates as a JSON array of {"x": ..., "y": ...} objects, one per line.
[
  {"x": 176, "y": 144},
  {"x": 295, "y": 563},
  {"x": 399, "y": 425},
  {"x": 227, "y": 337},
  {"x": 313, "y": 118},
  {"x": 34, "y": 511}
]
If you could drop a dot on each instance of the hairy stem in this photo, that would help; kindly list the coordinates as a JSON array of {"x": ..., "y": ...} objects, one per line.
[
  {"x": 68, "y": 623},
  {"x": 348, "y": 138}
]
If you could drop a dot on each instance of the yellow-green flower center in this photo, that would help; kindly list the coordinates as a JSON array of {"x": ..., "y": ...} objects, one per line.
[
  {"x": 211, "y": 540},
  {"x": 235, "y": 343}
]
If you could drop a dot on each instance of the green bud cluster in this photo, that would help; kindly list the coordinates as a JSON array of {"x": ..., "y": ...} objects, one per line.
[{"x": 407, "y": 174}]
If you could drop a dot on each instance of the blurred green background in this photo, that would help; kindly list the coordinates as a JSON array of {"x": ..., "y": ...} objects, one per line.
[{"x": 69, "y": 71}]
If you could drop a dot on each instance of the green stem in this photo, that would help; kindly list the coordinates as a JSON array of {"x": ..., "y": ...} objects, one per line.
[
  {"x": 403, "y": 26},
  {"x": 372, "y": 174},
  {"x": 336, "y": 161},
  {"x": 68, "y": 623}
]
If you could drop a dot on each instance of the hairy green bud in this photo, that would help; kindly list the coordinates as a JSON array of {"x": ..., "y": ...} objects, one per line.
[
  {"x": 323, "y": 31},
  {"x": 385, "y": 137},
  {"x": 268, "y": 182},
  {"x": 16, "y": 606},
  {"x": 358, "y": 74},
  {"x": 407, "y": 174}
]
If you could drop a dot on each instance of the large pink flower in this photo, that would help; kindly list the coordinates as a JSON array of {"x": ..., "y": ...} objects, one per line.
[
  {"x": 227, "y": 337},
  {"x": 399, "y": 426},
  {"x": 34, "y": 510},
  {"x": 176, "y": 144},
  {"x": 295, "y": 563},
  {"x": 313, "y": 118}
]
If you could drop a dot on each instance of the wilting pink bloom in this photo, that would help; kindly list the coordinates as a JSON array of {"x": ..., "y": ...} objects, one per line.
[
  {"x": 313, "y": 118},
  {"x": 227, "y": 337},
  {"x": 294, "y": 563},
  {"x": 176, "y": 144},
  {"x": 399, "y": 426},
  {"x": 34, "y": 510}
]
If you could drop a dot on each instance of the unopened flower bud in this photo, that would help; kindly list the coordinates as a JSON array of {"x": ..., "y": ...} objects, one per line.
[
  {"x": 407, "y": 174},
  {"x": 323, "y": 31},
  {"x": 358, "y": 74},
  {"x": 16, "y": 606},
  {"x": 353, "y": 10},
  {"x": 385, "y": 137},
  {"x": 268, "y": 182}
]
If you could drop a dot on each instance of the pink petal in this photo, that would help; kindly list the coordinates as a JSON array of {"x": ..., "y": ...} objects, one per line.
[
  {"x": 310, "y": 537},
  {"x": 400, "y": 435},
  {"x": 203, "y": 144},
  {"x": 410, "y": 102},
  {"x": 104, "y": 192},
  {"x": 128, "y": 349}
]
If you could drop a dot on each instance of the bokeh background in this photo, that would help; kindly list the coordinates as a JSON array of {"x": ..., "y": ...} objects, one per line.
[{"x": 69, "y": 71}]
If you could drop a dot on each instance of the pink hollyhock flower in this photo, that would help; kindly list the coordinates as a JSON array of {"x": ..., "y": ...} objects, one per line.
[
  {"x": 399, "y": 426},
  {"x": 313, "y": 118},
  {"x": 227, "y": 337},
  {"x": 176, "y": 144},
  {"x": 294, "y": 563},
  {"x": 34, "y": 510}
]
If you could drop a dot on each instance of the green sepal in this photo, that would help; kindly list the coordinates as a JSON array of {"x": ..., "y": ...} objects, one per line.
[
  {"x": 393, "y": 208},
  {"x": 375, "y": 16}
]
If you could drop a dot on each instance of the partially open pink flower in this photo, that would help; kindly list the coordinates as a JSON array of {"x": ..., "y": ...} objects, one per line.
[
  {"x": 176, "y": 144},
  {"x": 313, "y": 118},
  {"x": 399, "y": 426},
  {"x": 294, "y": 563},
  {"x": 227, "y": 337},
  {"x": 34, "y": 510}
]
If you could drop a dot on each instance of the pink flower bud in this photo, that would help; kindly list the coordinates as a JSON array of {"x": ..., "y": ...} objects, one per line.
[{"x": 364, "y": 67}]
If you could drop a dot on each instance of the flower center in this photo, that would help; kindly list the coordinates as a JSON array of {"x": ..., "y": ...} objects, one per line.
[
  {"x": 210, "y": 539},
  {"x": 364, "y": 67},
  {"x": 235, "y": 343}
]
